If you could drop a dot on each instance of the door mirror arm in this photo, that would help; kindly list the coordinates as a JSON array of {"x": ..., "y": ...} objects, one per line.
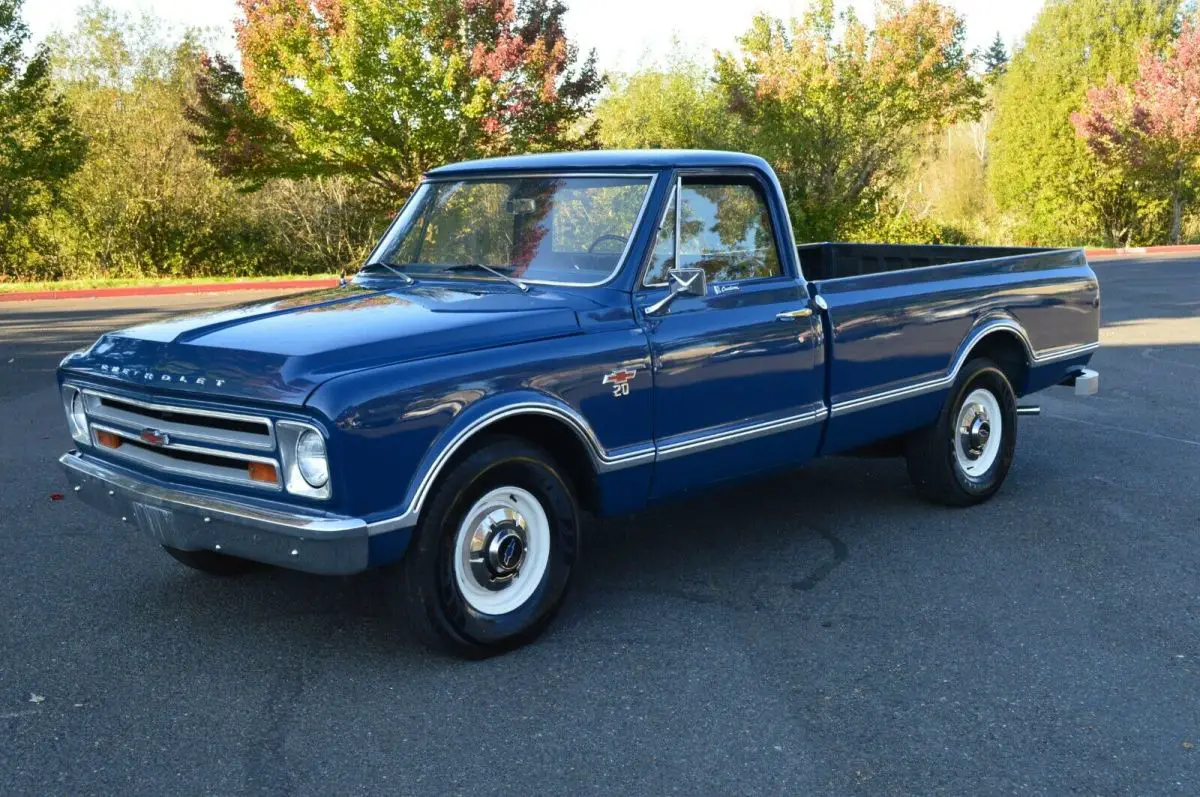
[{"x": 690, "y": 281}]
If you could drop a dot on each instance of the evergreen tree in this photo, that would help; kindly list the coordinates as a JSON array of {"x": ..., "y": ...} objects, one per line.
[
  {"x": 1041, "y": 174},
  {"x": 995, "y": 59}
]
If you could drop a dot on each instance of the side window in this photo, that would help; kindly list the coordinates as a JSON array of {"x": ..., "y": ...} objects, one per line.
[
  {"x": 726, "y": 230},
  {"x": 662, "y": 257}
]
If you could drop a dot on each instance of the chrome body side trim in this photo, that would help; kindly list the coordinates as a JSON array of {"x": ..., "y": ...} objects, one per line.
[
  {"x": 943, "y": 382},
  {"x": 603, "y": 460},
  {"x": 739, "y": 434}
]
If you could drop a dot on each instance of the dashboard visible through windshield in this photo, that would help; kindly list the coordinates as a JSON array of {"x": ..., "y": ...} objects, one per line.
[{"x": 556, "y": 229}]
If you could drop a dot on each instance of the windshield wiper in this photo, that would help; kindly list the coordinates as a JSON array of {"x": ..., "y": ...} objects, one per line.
[
  {"x": 382, "y": 264},
  {"x": 506, "y": 277}
]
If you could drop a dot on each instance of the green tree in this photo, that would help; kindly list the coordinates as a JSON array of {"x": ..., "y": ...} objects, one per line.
[
  {"x": 1040, "y": 173},
  {"x": 679, "y": 106},
  {"x": 383, "y": 90},
  {"x": 143, "y": 203},
  {"x": 995, "y": 59},
  {"x": 40, "y": 148},
  {"x": 1151, "y": 131},
  {"x": 839, "y": 109}
]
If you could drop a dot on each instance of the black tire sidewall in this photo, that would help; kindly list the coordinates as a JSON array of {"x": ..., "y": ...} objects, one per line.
[
  {"x": 503, "y": 464},
  {"x": 986, "y": 375}
]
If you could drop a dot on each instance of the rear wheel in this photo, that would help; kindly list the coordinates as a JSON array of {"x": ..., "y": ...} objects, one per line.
[
  {"x": 491, "y": 558},
  {"x": 964, "y": 458},
  {"x": 213, "y": 563}
]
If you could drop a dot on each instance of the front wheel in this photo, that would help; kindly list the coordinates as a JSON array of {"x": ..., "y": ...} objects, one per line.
[
  {"x": 963, "y": 458},
  {"x": 490, "y": 560}
]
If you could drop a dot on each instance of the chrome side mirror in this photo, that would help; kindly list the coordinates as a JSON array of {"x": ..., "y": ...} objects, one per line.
[{"x": 690, "y": 281}]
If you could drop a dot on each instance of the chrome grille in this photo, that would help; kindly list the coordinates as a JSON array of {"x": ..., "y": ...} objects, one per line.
[
  {"x": 207, "y": 426},
  {"x": 185, "y": 460},
  {"x": 179, "y": 440}
]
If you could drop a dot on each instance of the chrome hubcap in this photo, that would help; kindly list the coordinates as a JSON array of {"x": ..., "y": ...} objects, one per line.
[
  {"x": 502, "y": 550},
  {"x": 975, "y": 431},
  {"x": 978, "y": 433},
  {"x": 498, "y": 548}
]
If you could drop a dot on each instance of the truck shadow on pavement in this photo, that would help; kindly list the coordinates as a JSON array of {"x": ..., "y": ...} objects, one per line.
[{"x": 751, "y": 547}]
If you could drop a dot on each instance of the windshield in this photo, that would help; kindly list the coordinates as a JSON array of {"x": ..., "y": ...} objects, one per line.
[{"x": 537, "y": 228}]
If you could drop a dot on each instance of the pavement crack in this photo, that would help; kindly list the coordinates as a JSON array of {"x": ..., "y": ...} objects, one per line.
[
  {"x": 1115, "y": 428},
  {"x": 266, "y": 762},
  {"x": 840, "y": 553}
]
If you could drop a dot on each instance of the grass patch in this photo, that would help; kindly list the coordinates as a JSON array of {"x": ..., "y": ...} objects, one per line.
[{"x": 88, "y": 284}]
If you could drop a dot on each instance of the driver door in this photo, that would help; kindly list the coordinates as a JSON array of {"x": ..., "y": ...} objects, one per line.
[{"x": 738, "y": 372}]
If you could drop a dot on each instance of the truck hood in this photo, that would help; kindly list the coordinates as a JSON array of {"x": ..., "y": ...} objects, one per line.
[{"x": 280, "y": 350}]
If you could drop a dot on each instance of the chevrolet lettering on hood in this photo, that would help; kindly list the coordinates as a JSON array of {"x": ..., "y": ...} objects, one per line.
[{"x": 150, "y": 376}]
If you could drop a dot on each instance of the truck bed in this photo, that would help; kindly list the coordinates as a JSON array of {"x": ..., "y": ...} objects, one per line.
[
  {"x": 900, "y": 318},
  {"x": 825, "y": 261}
]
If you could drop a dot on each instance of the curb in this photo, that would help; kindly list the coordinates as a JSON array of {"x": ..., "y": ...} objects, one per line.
[
  {"x": 161, "y": 290},
  {"x": 1141, "y": 250}
]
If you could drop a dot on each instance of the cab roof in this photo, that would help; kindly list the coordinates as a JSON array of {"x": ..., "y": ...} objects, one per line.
[{"x": 605, "y": 160}]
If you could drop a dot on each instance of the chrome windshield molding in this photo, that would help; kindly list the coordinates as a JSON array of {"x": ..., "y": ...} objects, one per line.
[
  {"x": 216, "y": 508},
  {"x": 97, "y": 409},
  {"x": 943, "y": 382},
  {"x": 740, "y": 434},
  {"x": 633, "y": 231},
  {"x": 159, "y": 458}
]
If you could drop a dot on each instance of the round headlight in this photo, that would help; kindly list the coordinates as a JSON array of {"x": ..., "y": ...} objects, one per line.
[
  {"x": 78, "y": 417},
  {"x": 311, "y": 458}
]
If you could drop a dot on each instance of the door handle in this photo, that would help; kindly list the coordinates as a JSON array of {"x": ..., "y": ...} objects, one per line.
[{"x": 794, "y": 315}]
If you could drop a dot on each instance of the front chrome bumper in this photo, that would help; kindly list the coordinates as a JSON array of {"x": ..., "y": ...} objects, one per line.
[{"x": 316, "y": 543}]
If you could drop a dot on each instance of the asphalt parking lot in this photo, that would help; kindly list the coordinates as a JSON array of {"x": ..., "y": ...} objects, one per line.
[{"x": 818, "y": 633}]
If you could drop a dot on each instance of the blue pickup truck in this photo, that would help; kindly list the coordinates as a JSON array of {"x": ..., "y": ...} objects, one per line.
[{"x": 539, "y": 338}]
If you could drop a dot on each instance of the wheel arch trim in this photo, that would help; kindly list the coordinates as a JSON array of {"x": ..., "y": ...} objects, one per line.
[
  {"x": 989, "y": 326},
  {"x": 602, "y": 460}
]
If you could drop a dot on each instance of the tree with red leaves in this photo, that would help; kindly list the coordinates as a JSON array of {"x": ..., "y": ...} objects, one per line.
[
  {"x": 1151, "y": 129},
  {"x": 386, "y": 89}
]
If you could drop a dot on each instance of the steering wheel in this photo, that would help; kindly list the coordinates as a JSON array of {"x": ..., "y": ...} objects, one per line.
[{"x": 606, "y": 237}]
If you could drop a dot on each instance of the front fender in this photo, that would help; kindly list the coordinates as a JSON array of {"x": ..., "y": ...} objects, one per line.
[
  {"x": 395, "y": 428},
  {"x": 477, "y": 418}
]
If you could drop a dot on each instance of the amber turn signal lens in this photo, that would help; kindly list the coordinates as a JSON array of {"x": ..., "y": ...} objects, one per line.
[
  {"x": 262, "y": 472},
  {"x": 108, "y": 439}
]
